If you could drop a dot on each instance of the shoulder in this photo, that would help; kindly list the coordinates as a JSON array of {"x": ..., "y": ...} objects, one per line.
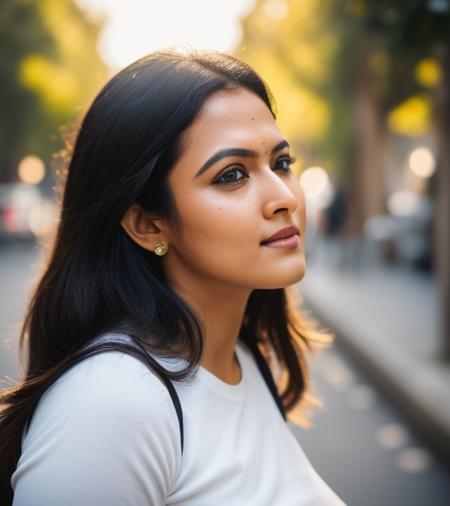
[
  {"x": 116, "y": 420},
  {"x": 111, "y": 387},
  {"x": 107, "y": 374}
]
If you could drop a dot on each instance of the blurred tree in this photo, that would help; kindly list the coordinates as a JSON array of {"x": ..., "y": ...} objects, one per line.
[
  {"x": 344, "y": 72},
  {"x": 49, "y": 71},
  {"x": 416, "y": 34}
]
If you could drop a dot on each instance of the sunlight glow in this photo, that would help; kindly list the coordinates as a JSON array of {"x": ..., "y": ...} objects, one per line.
[
  {"x": 276, "y": 9},
  {"x": 135, "y": 28}
]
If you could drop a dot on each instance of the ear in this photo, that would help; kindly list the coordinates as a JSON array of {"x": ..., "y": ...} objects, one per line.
[{"x": 142, "y": 228}]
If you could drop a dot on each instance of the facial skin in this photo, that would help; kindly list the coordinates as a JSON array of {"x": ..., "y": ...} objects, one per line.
[{"x": 217, "y": 259}]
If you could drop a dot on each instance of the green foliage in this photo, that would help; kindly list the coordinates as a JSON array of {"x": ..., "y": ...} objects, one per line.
[{"x": 49, "y": 71}]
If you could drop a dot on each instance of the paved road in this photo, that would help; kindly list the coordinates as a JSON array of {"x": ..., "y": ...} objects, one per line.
[
  {"x": 19, "y": 266},
  {"x": 360, "y": 444},
  {"x": 363, "y": 447}
]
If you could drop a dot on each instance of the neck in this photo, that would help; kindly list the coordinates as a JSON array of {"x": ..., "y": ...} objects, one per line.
[{"x": 220, "y": 309}]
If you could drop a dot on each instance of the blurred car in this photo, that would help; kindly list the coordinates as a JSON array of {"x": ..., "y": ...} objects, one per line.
[
  {"x": 24, "y": 212},
  {"x": 406, "y": 237}
]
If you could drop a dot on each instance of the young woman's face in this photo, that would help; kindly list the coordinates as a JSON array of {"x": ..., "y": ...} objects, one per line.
[{"x": 228, "y": 208}]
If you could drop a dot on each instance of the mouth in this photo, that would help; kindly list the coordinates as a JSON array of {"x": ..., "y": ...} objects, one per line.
[
  {"x": 290, "y": 242},
  {"x": 285, "y": 237}
]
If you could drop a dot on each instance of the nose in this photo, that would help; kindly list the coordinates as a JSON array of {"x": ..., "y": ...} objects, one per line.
[{"x": 280, "y": 195}]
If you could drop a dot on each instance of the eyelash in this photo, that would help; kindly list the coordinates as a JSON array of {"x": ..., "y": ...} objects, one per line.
[{"x": 289, "y": 159}]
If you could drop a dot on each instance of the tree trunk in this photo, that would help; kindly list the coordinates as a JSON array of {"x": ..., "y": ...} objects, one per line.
[
  {"x": 367, "y": 178},
  {"x": 442, "y": 217}
]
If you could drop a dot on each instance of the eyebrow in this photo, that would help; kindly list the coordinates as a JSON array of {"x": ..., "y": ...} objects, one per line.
[{"x": 228, "y": 152}]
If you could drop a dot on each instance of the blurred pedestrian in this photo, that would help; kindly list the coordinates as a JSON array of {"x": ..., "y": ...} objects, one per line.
[
  {"x": 335, "y": 213},
  {"x": 165, "y": 295}
]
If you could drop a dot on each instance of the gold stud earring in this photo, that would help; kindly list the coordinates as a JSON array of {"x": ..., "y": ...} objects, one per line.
[{"x": 161, "y": 248}]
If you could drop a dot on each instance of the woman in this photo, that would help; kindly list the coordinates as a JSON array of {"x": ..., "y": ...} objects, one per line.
[{"x": 181, "y": 225}]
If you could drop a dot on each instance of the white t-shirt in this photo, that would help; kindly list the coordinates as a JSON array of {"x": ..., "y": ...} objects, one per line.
[{"x": 106, "y": 433}]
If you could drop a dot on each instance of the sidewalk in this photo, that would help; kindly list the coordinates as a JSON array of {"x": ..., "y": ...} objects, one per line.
[{"x": 386, "y": 318}]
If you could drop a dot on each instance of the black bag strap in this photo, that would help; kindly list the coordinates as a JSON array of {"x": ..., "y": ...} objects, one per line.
[
  {"x": 267, "y": 375},
  {"x": 265, "y": 372},
  {"x": 176, "y": 403}
]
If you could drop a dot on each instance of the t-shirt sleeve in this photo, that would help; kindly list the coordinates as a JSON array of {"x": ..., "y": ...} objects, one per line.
[{"x": 106, "y": 433}]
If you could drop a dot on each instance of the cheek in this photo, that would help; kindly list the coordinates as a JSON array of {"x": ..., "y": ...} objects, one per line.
[
  {"x": 221, "y": 238},
  {"x": 218, "y": 227}
]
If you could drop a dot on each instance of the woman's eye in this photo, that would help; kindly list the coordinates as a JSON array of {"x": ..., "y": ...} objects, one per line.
[
  {"x": 228, "y": 177},
  {"x": 285, "y": 162},
  {"x": 231, "y": 176}
]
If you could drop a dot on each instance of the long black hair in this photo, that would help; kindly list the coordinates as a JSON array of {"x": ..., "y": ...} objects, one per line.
[{"x": 97, "y": 279}]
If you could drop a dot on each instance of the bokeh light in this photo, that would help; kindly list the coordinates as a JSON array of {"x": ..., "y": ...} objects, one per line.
[
  {"x": 422, "y": 162},
  {"x": 402, "y": 203},
  {"x": 31, "y": 170},
  {"x": 314, "y": 180}
]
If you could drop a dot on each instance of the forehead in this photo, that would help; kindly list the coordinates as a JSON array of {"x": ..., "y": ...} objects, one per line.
[{"x": 234, "y": 118}]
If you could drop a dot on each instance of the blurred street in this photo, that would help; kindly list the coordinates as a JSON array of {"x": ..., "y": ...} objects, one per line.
[
  {"x": 18, "y": 268},
  {"x": 386, "y": 461},
  {"x": 386, "y": 316},
  {"x": 361, "y": 91},
  {"x": 363, "y": 446}
]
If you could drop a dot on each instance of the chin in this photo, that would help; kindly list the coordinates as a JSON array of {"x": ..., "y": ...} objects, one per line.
[{"x": 283, "y": 277}]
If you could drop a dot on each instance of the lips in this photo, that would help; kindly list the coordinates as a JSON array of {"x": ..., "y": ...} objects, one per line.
[{"x": 281, "y": 234}]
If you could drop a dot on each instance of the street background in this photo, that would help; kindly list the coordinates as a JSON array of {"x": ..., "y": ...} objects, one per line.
[{"x": 362, "y": 94}]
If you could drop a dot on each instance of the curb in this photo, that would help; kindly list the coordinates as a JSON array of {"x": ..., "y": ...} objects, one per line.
[{"x": 419, "y": 388}]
